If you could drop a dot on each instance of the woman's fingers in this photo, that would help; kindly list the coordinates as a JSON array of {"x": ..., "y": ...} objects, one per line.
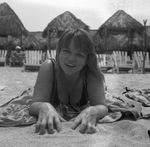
[
  {"x": 71, "y": 120},
  {"x": 50, "y": 127},
  {"x": 56, "y": 120},
  {"x": 42, "y": 126},
  {"x": 83, "y": 126},
  {"x": 58, "y": 124},
  {"x": 62, "y": 119},
  {"x": 90, "y": 128},
  {"x": 75, "y": 123},
  {"x": 49, "y": 123},
  {"x": 37, "y": 126}
]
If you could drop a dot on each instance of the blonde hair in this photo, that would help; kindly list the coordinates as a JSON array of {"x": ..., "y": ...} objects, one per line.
[{"x": 83, "y": 42}]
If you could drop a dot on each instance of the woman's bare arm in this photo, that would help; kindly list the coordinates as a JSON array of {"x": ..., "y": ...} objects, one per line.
[
  {"x": 96, "y": 93},
  {"x": 87, "y": 119},
  {"x": 43, "y": 87},
  {"x": 48, "y": 118},
  {"x": 44, "y": 82},
  {"x": 96, "y": 90}
]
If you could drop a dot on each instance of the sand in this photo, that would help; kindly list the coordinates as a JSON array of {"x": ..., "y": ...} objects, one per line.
[{"x": 124, "y": 133}]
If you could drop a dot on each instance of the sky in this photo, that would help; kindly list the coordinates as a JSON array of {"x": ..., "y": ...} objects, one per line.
[{"x": 36, "y": 14}]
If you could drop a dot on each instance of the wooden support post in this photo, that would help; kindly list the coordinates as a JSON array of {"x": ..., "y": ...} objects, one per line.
[
  {"x": 131, "y": 38},
  {"x": 48, "y": 42},
  {"x": 106, "y": 47},
  {"x": 145, "y": 47}
]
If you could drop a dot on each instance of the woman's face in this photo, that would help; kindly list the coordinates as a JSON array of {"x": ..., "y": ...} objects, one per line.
[{"x": 71, "y": 59}]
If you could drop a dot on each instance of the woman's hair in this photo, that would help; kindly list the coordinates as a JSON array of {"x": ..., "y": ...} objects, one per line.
[{"x": 83, "y": 42}]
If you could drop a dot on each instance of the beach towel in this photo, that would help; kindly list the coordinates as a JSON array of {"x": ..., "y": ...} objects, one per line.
[{"x": 133, "y": 103}]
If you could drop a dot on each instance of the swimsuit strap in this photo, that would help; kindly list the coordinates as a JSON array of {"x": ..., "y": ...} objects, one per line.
[{"x": 52, "y": 98}]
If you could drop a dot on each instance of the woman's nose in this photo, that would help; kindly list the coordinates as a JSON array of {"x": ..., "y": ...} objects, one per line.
[{"x": 71, "y": 57}]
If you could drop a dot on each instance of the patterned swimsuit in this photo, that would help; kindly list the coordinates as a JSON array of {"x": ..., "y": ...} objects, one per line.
[{"x": 68, "y": 111}]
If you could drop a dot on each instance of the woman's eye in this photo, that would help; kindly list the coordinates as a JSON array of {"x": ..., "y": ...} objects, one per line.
[
  {"x": 66, "y": 51},
  {"x": 80, "y": 55}
]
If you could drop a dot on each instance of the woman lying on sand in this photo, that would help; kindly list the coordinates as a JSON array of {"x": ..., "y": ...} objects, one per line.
[{"x": 72, "y": 87}]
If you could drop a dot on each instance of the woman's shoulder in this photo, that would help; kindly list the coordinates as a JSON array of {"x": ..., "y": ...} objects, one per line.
[
  {"x": 48, "y": 62},
  {"x": 47, "y": 65},
  {"x": 91, "y": 78}
]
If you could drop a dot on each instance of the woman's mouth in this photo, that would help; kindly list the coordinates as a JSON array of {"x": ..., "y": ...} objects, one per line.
[{"x": 70, "y": 65}]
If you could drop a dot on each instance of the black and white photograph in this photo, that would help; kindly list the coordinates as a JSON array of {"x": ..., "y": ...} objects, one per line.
[{"x": 75, "y": 73}]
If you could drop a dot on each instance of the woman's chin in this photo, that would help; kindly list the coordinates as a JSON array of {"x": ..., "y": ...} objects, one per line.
[{"x": 70, "y": 72}]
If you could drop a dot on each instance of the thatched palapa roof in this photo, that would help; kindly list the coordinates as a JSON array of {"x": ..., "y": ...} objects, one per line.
[
  {"x": 10, "y": 24},
  {"x": 38, "y": 36},
  {"x": 95, "y": 37},
  {"x": 30, "y": 41},
  {"x": 3, "y": 40},
  {"x": 121, "y": 22},
  {"x": 120, "y": 32},
  {"x": 64, "y": 22},
  {"x": 121, "y": 42},
  {"x": 147, "y": 36}
]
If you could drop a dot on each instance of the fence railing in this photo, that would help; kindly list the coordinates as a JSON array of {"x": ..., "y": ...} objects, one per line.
[{"x": 116, "y": 62}]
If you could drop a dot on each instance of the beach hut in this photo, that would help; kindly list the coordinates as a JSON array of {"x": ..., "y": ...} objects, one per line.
[
  {"x": 35, "y": 50},
  {"x": 31, "y": 42},
  {"x": 3, "y": 41},
  {"x": 10, "y": 23},
  {"x": 148, "y": 38},
  {"x": 120, "y": 32},
  {"x": 34, "y": 47},
  {"x": 58, "y": 25},
  {"x": 64, "y": 22}
]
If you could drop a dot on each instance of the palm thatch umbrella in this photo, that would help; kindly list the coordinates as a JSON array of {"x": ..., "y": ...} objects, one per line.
[
  {"x": 29, "y": 42},
  {"x": 3, "y": 41},
  {"x": 58, "y": 25},
  {"x": 121, "y": 42},
  {"x": 120, "y": 23},
  {"x": 38, "y": 36},
  {"x": 64, "y": 22},
  {"x": 95, "y": 38},
  {"x": 148, "y": 37},
  {"x": 10, "y": 24}
]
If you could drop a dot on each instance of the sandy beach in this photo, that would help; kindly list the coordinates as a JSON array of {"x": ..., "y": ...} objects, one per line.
[
  {"x": 16, "y": 81},
  {"x": 125, "y": 133}
]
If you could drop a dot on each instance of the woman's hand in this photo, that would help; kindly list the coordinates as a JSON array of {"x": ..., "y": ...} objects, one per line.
[
  {"x": 86, "y": 121},
  {"x": 48, "y": 119}
]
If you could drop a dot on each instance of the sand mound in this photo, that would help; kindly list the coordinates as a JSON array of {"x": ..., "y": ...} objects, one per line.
[{"x": 119, "y": 134}]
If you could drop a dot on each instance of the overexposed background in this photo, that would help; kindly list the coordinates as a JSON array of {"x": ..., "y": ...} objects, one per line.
[{"x": 36, "y": 14}]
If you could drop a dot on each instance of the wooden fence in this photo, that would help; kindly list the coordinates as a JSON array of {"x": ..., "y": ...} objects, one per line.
[{"x": 116, "y": 62}]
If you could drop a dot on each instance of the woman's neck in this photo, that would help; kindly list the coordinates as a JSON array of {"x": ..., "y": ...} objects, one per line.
[{"x": 70, "y": 78}]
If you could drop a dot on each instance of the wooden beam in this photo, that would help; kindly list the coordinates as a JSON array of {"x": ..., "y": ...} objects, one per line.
[
  {"x": 145, "y": 47},
  {"x": 48, "y": 42}
]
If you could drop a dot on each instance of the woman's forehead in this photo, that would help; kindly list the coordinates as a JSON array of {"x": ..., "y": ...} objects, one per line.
[{"x": 74, "y": 42}]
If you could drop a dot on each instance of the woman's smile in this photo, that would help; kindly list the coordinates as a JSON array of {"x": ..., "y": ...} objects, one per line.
[
  {"x": 70, "y": 68},
  {"x": 70, "y": 65}
]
